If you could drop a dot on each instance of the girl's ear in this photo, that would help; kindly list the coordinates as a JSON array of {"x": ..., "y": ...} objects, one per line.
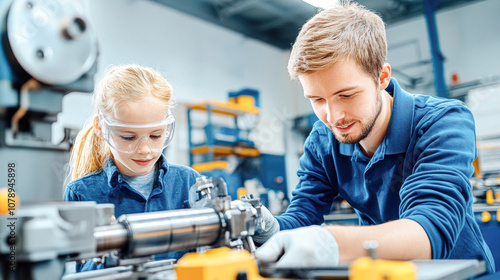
[{"x": 97, "y": 127}]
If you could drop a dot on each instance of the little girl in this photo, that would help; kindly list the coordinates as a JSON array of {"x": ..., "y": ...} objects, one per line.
[{"x": 117, "y": 158}]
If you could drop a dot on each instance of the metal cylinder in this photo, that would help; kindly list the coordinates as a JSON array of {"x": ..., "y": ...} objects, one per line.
[
  {"x": 169, "y": 231},
  {"x": 111, "y": 237}
]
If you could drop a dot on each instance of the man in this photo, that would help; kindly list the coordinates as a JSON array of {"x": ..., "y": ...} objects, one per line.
[{"x": 402, "y": 161}]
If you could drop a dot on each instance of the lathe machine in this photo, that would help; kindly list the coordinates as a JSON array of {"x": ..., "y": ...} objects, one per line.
[
  {"x": 38, "y": 241},
  {"x": 40, "y": 238}
]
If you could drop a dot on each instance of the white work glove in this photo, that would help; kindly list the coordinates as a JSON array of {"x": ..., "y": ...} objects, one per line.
[
  {"x": 312, "y": 246},
  {"x": 268, "y": 227}
]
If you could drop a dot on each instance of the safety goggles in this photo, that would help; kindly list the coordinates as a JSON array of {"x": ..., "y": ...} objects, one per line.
[{"x": 126, "y": 137}]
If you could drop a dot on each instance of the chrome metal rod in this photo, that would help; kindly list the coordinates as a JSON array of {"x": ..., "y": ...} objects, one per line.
[
  {"x": 112, "y": 237},
  {"x": 169, "y": 231}
]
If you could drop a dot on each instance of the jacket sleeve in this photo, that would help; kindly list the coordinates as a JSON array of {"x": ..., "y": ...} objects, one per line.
[
  {"x": 191, "y": 180},
  {"x": 313, "y": 196},
  {"x": 438, "y": 192},
  {"x": 70, "y": 195}
]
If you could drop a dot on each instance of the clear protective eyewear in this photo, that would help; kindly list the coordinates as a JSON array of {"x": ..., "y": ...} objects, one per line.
[{"x": 127, "y": 137}]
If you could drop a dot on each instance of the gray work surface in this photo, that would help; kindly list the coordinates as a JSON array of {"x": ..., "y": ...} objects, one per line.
[
  {"x": 426, "y": 270},
  {"x": 448, "y": 269}
]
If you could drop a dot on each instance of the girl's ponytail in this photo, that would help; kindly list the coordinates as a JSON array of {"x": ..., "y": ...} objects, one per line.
[{"x": 90, "y": 151}]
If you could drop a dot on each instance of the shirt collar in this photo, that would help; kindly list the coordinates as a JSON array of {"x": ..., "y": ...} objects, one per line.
[
  {"x": 400, "y": 125},
  {"x": 163, "y": 164},
  {"x": 111, "y": 172},
  {"x": 114, "y": 176}
]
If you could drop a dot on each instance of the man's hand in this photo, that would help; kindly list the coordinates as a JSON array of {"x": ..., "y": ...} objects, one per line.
[
  {"x": 268, "y": 228},
  {"x": 312, "y": 246}
]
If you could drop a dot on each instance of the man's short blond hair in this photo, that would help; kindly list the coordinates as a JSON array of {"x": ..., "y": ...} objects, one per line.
[{"x": 347, "y": 31}]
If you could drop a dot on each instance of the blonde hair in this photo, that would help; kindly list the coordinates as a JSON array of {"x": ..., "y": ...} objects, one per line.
[
  {"x": 118, "y": 85},
  {"x": 348, "y": 31}
]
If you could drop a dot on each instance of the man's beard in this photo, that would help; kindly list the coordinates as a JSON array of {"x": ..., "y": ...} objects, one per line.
[{"x": 365, "y": 128}]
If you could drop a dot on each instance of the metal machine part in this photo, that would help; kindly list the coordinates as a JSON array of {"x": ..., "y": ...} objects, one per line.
[
  {"x": 151, "y": 270},
  {"x": 35, "y": 243},
  {"x": 206, "y": 188},
  {"x": 45, "y": 236},
  {"x": 47, "y": 49},
  {"x": 44, "y": 34},
  {"x": 214, "y": 220},
  {"x": 169, "y": 231}
]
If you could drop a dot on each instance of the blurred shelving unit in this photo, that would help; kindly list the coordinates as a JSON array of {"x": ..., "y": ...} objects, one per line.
[
  {"x": 222, "y": 135},
  {"x": 220, "y": 146},
  {"x": 222, "y": 140}
]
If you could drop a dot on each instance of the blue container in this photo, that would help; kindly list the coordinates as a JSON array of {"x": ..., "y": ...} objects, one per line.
[{"x": 228, "y": 136}]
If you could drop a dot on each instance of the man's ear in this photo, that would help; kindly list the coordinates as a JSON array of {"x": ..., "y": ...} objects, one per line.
[
  {"x": 97, "y": 127},
  {"x": 385, "y": 76}
]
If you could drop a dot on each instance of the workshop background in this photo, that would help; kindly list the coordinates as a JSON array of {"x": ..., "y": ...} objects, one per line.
[{"x": 238, "y": 114}]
